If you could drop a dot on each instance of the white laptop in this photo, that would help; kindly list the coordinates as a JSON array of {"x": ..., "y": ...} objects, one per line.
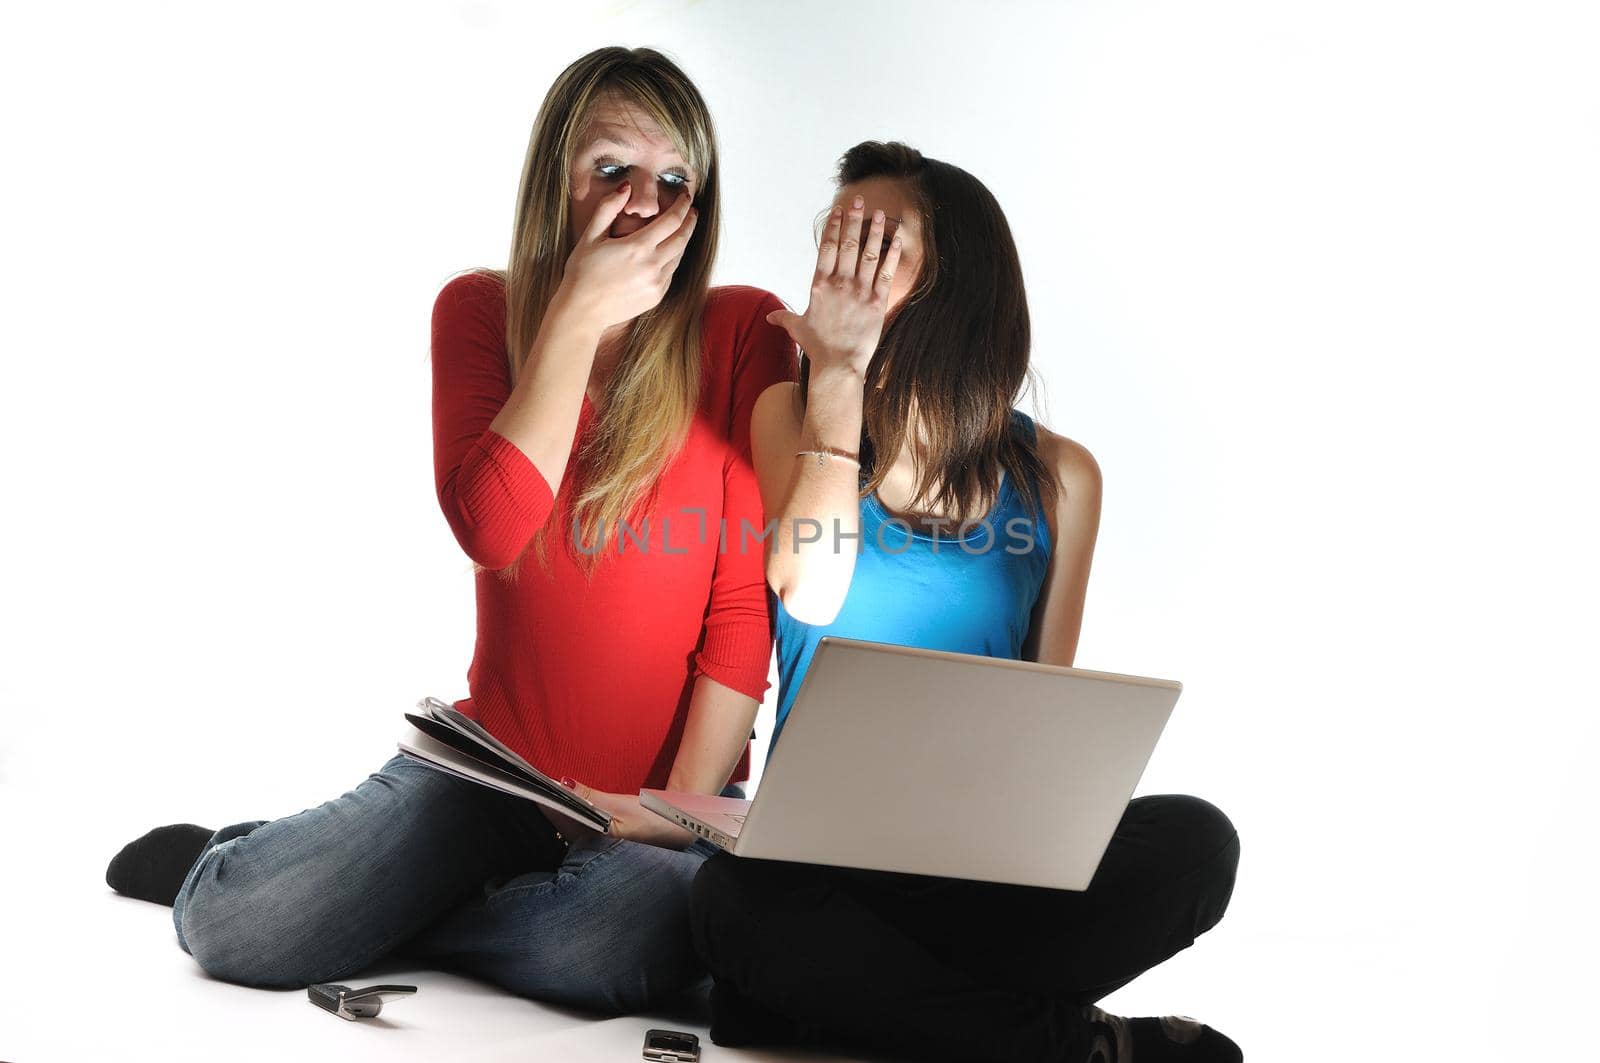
[{"x": 896, "y": 758}]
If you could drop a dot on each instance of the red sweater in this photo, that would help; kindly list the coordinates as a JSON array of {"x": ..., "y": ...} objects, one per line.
[{"x": 593, "y": 680}]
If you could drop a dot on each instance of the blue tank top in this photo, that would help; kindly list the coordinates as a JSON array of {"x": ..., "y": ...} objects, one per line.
[{"x": 966, "y": 594}]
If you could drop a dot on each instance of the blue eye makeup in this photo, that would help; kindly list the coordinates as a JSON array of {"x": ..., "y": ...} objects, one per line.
[{"x": 611, "y": 171}]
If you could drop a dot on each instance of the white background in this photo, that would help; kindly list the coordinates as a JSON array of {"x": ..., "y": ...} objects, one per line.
[{"x": 1315, "y": 282}]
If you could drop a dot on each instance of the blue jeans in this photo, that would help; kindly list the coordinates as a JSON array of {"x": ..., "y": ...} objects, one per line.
[{"x": 420, "y": 864}]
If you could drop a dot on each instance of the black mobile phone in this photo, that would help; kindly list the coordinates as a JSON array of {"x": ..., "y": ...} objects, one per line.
[
  {"x": 354, "y": 1004},
  {"x": 671, "y": 1046}
]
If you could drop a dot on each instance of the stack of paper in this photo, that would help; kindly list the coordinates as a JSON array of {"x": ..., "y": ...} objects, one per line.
[{"x": 443, "y": 738}]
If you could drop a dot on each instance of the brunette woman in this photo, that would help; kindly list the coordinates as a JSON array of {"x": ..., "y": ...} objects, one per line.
[{"x": 901, "y": 442}]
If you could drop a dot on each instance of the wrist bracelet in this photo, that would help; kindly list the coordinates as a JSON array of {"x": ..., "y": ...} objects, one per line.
[{"x": 831, "y": 453}]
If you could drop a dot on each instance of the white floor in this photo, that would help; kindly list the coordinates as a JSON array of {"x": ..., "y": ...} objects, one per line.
[
  {"x": 1446, "y": 952},
  {"x": 88, "y": 974}
]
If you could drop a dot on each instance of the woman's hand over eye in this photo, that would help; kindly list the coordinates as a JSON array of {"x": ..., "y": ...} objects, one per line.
[{"x": 849, "y": 293}]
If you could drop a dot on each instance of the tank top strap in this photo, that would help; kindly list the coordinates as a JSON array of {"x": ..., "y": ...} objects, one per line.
[{"x": 1021, "y": 422}]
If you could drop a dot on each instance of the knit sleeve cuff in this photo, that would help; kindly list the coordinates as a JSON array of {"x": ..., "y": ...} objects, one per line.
[
  {"x": 737, "y": 655},
  {"x": 502, "y": 499}
]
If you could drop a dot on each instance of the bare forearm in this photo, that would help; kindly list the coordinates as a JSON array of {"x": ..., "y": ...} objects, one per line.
[
  {"x": 814, "y": 555},
  {"x": 541, "y": 415},
  {"x": 714, "y": 736}
]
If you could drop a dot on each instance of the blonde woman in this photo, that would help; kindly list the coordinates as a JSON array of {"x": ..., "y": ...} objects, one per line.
[{"x": 591, "y": 411}]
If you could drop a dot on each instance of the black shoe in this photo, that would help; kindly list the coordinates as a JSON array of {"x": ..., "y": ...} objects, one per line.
[{"x": 1157, "y": 1039}]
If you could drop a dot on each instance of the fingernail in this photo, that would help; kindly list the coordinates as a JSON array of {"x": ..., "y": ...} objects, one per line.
[
  {"x": 858, "y": 201},
  {"x": 570, "y": 784}
]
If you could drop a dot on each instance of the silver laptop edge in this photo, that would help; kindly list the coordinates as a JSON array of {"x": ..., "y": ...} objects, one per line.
[
  {"x": 966, "y": 766},
  {"x": 655, "y": 801}
]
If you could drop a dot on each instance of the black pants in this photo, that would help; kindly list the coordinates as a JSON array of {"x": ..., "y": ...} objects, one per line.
[{"x": 949, "y": 969}]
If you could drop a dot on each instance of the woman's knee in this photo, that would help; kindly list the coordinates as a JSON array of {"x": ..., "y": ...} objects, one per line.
[
  {"x": 1202, "y": 847},
  {"x": 257, "y": 932},
  {"x": 1193, "y": 825}
]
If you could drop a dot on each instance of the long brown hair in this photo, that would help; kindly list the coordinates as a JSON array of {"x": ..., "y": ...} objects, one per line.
[
  {"x": 651, "y": 399},
  {"x": 955, "y": 353}
]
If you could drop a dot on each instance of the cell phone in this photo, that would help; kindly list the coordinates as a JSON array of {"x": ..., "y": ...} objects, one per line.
[
  {"x": 671, "y": 1046},
  {"x": 355, "y": 1004}
]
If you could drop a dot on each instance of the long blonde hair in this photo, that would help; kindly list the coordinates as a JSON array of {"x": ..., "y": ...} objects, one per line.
[{"x": 651, "y": 399}]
